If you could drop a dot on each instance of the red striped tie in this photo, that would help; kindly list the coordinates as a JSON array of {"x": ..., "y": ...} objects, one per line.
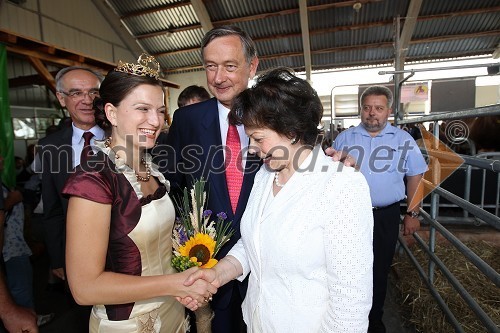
[
  {"x": 234, "y": 172},
  {"x": 87, "y": 149}
]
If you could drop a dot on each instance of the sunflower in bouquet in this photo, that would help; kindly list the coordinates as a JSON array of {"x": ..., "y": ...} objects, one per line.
[{"x": 197, "y": 236}]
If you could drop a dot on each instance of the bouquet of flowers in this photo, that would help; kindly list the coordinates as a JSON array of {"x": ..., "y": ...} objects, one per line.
[{"x": 197, "y": 238}]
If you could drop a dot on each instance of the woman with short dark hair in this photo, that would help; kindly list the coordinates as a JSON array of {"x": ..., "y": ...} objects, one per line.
[{"x": 306, "y": 234}]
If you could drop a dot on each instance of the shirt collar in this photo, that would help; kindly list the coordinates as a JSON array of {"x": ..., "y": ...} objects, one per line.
[
  {"x": 223, "y": 112},
  {"x": 78, "y": 133}
]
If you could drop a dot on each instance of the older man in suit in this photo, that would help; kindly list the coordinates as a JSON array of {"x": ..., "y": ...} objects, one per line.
[
  {"x": 60, "y": 152},
  {"x": 201, "y": 143}
]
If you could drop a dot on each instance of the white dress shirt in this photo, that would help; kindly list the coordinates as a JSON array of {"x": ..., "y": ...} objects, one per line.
[
  {"x": 309, "y": 250},
  {"x": 77, "y": 141}
]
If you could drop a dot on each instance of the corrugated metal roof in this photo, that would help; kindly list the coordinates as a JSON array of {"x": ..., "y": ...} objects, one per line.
[{"x": 340, "y": 36}]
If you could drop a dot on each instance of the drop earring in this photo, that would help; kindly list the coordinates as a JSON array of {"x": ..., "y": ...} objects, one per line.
[{"x": 293, "y": 141}]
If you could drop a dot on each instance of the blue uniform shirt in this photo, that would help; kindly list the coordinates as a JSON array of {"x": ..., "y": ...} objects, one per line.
[{"x": 384, "y": 160}]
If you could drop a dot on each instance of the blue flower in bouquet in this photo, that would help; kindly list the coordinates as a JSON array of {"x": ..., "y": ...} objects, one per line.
[{"x": 196, "y": 237}]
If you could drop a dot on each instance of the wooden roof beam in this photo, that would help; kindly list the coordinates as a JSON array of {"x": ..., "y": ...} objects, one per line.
[
  {"x": 313, "y": 8},
  {"x": 8, "y": 38},
  {"x": 28, "y": 80},
  {"x": 246, "y": 18},
  {"x": 360, "y": 47},
  {"x": 156, "y": 9},
  {"x": 60, "y": 58},
  {"x": 44, "y": 73},
  {"x": 169, "y": 31}
]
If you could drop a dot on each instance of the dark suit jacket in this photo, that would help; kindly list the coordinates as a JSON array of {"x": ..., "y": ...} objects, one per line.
[
  {"x": 56, "y": 155},
  {"x": 194, "y": 150}
]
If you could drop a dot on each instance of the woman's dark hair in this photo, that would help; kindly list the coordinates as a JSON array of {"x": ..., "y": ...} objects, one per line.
[
  {"x": 115, "y": 87},
  {"x": 283, "y": 103}
]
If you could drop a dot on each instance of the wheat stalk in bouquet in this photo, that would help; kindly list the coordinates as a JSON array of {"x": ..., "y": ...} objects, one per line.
[{"x": 197, "y": 238}]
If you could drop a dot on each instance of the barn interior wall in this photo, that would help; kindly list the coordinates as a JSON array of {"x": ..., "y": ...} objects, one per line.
[{"x": 73, "y": 25}]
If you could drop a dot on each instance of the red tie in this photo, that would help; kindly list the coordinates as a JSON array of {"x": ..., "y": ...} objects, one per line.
[
  {"x": 87, "y": 149},
  {"x": 234, "y": 172}
]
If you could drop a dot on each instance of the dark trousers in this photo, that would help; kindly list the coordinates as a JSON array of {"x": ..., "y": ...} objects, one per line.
[
  {"x": 385, "y": 236},
  {"x": 230, "y": 320}
]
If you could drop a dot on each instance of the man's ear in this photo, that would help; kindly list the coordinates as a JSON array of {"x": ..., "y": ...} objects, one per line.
[
  {"x": 389, "y": 112},
  {"x": 60, "y": 97},
  {"x": 110, "y": 111},
  {"x": 254, "y": 63}
]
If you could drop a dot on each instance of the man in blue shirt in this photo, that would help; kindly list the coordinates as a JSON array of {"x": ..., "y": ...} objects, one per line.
[{"x": 386, "y": 155}]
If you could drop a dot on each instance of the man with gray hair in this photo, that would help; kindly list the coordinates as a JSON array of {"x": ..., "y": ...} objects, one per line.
[
  {"x": 387, "y": 156},
  {"x": 60, "y": 152}
]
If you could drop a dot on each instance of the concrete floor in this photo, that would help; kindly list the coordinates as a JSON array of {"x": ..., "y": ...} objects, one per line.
[{"x": 392, "y": 310}]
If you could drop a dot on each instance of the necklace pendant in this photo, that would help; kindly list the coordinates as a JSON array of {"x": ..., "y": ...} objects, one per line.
[
  {"x": 276, "y": 180},
  {"x": 107, "y": 144}
]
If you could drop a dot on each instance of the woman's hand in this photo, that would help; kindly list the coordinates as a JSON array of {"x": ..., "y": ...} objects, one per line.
[
  {"x": 190, "y": 303},
  {"x": 207, "y": 275},
  {"x": 196, "y": 287}
]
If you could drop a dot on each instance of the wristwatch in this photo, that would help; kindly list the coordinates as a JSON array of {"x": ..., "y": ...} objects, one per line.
[{"x": 413, "y": 214}]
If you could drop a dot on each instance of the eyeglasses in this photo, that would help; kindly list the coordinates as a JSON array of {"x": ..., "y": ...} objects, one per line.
[{"x": 79, "y": 95}]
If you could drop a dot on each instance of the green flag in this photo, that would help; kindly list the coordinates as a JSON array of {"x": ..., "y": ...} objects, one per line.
[{"x": 6, "y": 130}]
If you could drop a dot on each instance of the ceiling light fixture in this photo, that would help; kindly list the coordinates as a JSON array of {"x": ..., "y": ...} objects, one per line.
[
  {"x": 357, "y": 6},
  {"x": 169, "y": 31}
]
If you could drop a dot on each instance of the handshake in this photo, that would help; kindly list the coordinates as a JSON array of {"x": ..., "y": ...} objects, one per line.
[{"x": 201, "y": 283}]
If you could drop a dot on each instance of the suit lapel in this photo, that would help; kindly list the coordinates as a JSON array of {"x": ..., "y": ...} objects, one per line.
[
  {"x": 65, "y": 155},
  {"x": 210, "y": 138},
  {"x": 68, "y": 146},
  {"x": 211, "y": 141},
  {"x": 253, "y": 164}
]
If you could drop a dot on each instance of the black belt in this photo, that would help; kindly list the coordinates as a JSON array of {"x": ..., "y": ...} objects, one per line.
[{"x": 385, "y": 207}]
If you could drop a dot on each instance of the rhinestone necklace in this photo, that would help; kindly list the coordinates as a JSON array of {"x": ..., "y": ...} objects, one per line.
[
  {"x": 140, "y": 178},
  {"x": 276, "y": 181}
]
